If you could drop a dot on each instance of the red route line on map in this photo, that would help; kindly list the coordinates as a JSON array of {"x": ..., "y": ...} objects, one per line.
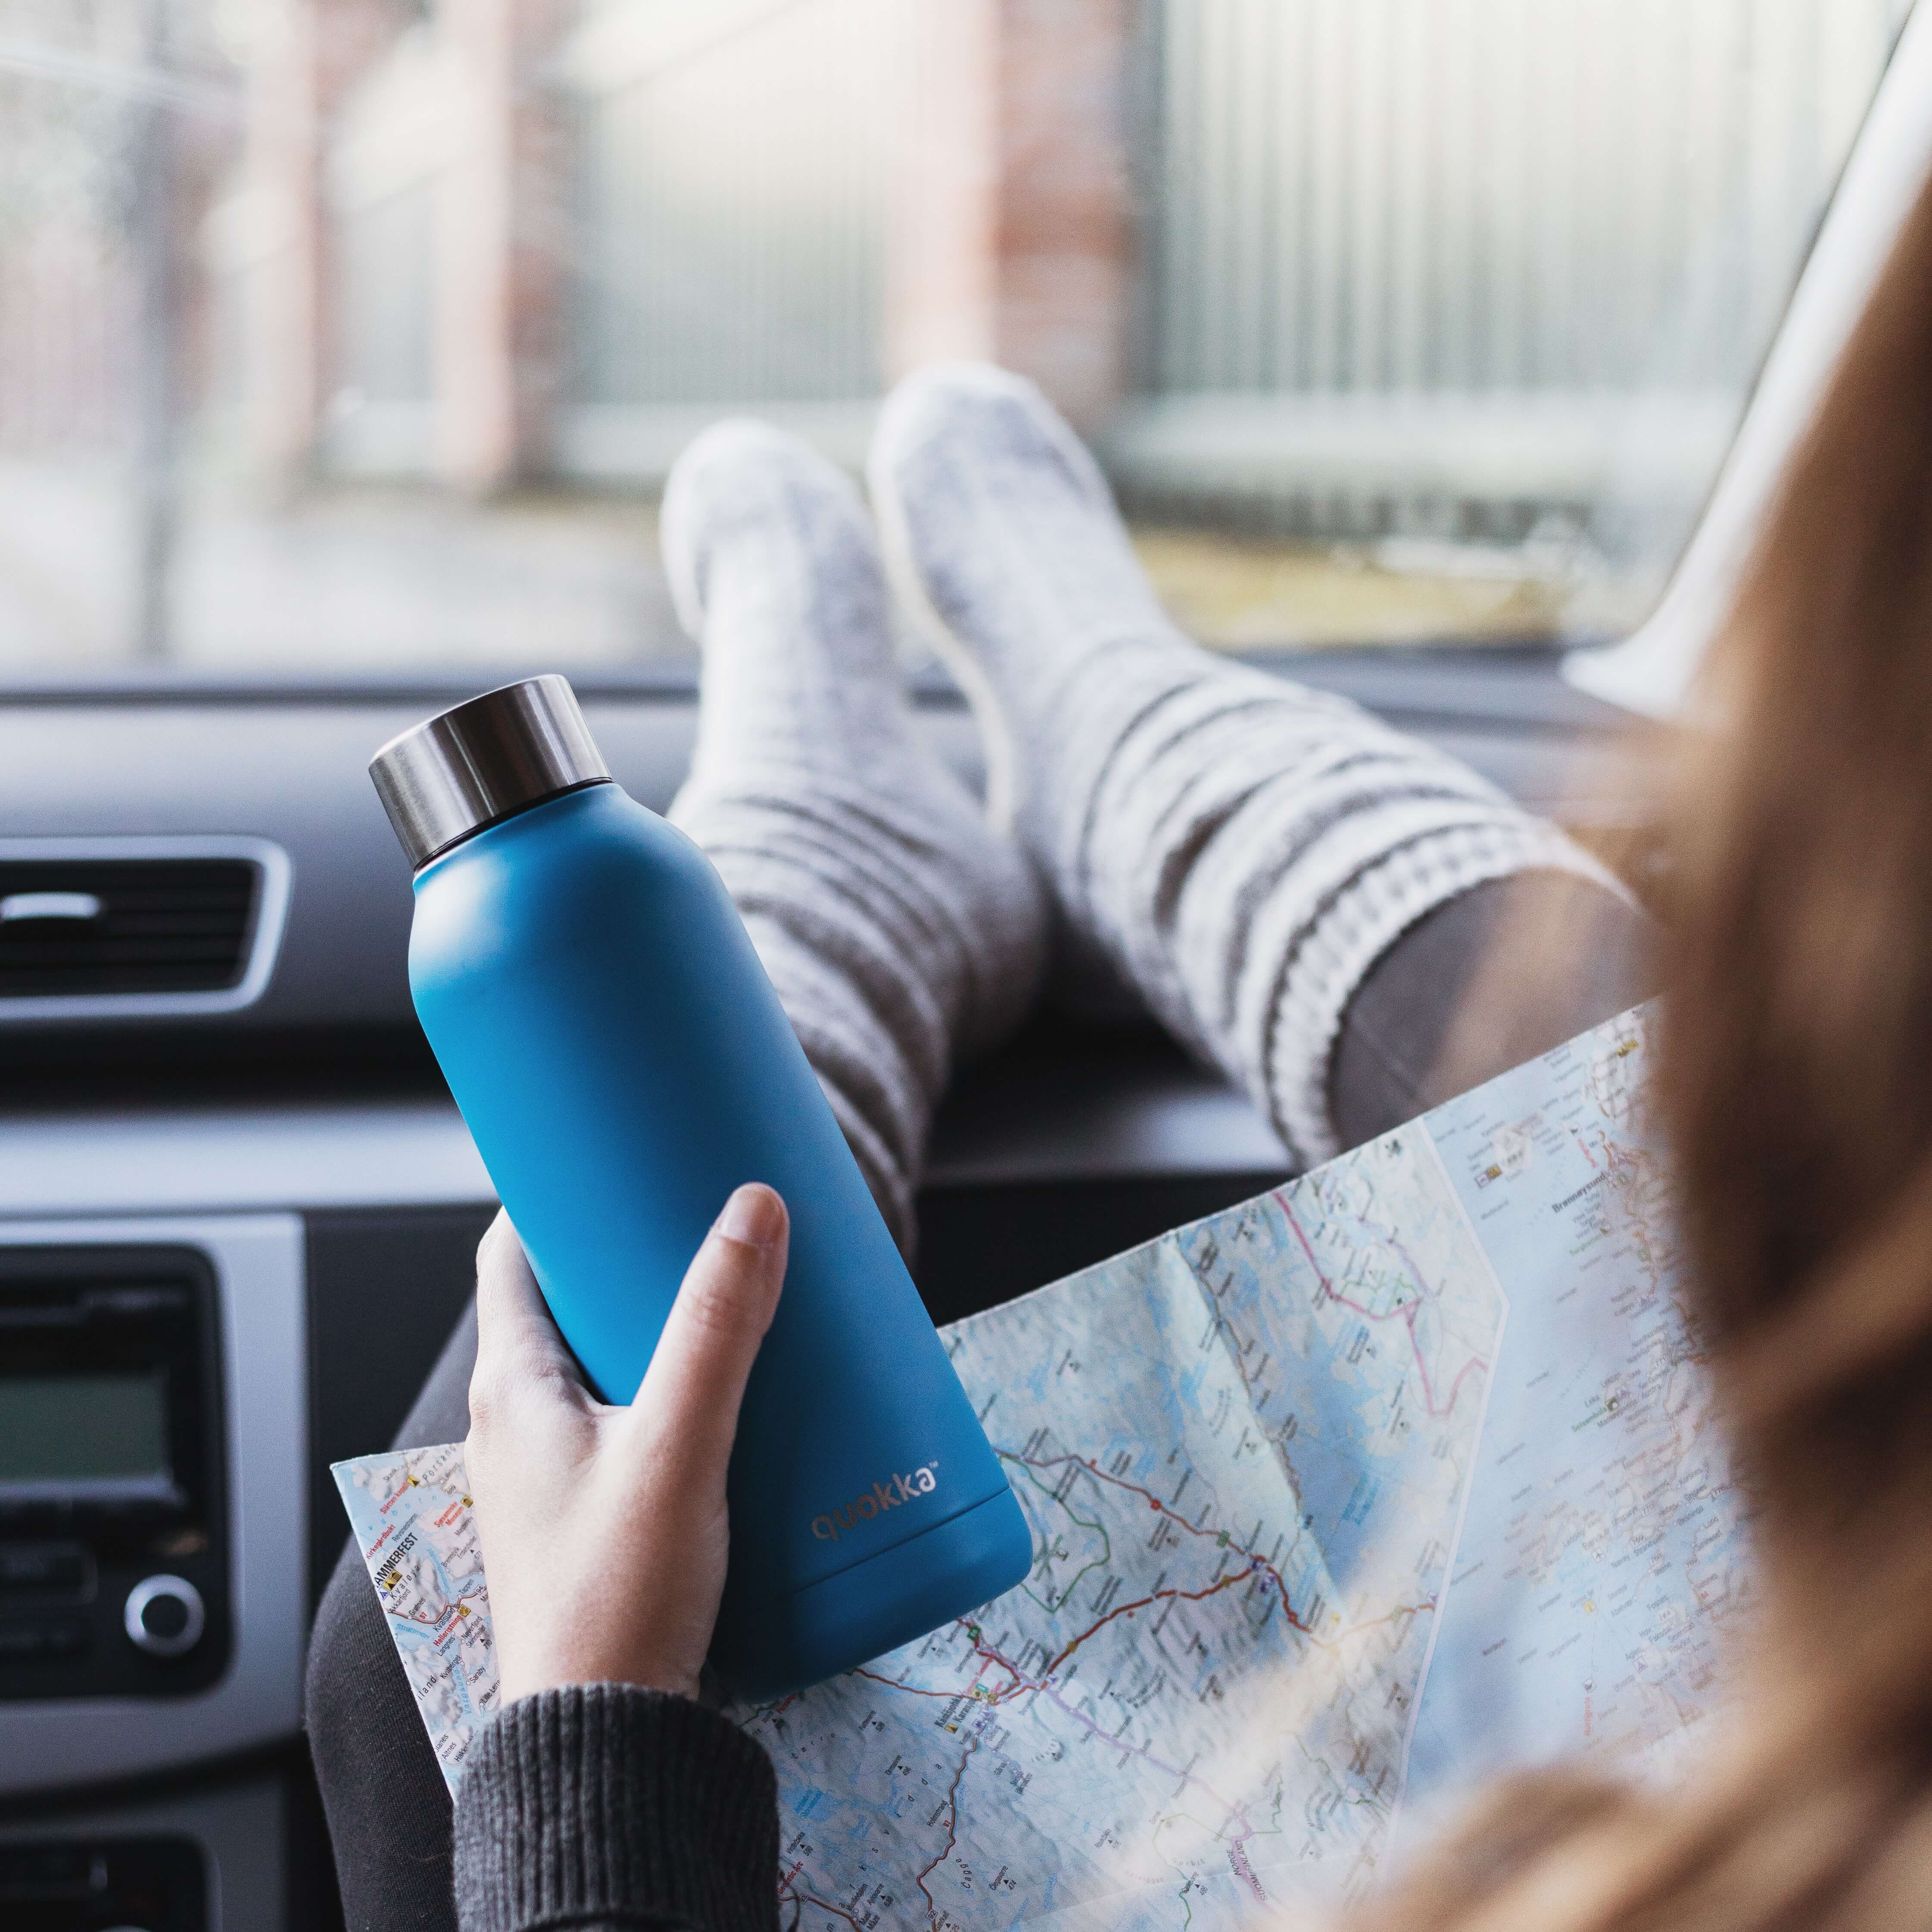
[
  {"x": 1405, "y": 1313},
  {"x": 1140, "y": 1604},
  {"x": 801, "y": 1899},
  {"x": 951, "y": 1832},
  {"x": 1023, "y": 1682},
  {"x": 416, "y": 1617},
  {"x": 910, "y": 1690},
  {"x": 1185, "y": 1776},
  {"x": 1042, "y": 1684},
  {"x": 1257, "y": 1566},
  {"x": 1100, "y": 1475}
]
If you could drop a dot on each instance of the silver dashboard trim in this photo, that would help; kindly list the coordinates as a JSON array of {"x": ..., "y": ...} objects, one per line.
[
  {"x": 239, "y": 1159},
  {"x": 48, "y": 1743},
  {"x": 265, "y": 939},
  {"x": 419, "y": 1154}
]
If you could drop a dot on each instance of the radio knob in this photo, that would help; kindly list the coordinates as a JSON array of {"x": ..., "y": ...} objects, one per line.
[{"x": 164, "y": 1616}]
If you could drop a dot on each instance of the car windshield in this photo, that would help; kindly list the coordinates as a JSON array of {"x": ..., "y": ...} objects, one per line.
[{"x": 342, "y": 338}]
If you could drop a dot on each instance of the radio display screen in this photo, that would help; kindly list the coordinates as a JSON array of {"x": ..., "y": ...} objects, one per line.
[{"x": 85, "y": 1427}]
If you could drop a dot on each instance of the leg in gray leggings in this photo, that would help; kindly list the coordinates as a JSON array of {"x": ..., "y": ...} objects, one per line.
[
  {"x": 387, "y": 1809},
  {"x": 1508, "y": 970}
]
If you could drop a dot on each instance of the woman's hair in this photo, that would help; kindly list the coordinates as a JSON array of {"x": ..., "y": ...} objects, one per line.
[{"x": 1796, "y": 1082}]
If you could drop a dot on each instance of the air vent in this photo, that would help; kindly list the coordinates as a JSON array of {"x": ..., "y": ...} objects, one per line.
[{"x": 96, "y": 928}]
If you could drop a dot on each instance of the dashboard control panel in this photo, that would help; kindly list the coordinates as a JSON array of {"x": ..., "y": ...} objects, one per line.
[
  {"x": 113, "y": 1543},
  {"x": 130, "y": 1885}
]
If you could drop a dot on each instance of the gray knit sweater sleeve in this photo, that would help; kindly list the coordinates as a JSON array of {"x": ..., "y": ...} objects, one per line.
[{"x": 605, "y": 1808}]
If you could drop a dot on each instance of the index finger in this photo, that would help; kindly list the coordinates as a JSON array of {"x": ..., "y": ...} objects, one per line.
[
  {"x": 690, "y": 1392},
  {"x": 516, "y": 1339}
]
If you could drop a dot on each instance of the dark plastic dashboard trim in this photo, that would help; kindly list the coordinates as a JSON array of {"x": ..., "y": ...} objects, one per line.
[
  {"x": 1516, "y": 684},
  {"x": 287, "y": 763}
]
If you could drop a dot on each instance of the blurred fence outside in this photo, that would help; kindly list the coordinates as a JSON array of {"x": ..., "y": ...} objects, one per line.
[
  {"x": 1450, "y": 266},
  {"x": 392, "y": 139},
  {"x": 731, "y": 207}
]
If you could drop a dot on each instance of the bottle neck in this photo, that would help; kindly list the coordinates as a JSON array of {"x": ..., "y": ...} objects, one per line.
[{"x": 463, "y": 844}]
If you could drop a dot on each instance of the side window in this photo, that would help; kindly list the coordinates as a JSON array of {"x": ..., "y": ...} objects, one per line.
[
  {"x": 361, "y": 334},
  {"x": 1472, "y": 291}
]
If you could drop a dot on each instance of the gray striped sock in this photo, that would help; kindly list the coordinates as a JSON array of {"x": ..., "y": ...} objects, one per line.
[
  {"x": 901, "y": 934},
  {"x": 1241, "y": 849}
]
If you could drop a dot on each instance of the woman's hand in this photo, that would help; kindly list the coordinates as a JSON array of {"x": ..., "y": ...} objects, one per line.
[{"x": 604, "y": 1530}]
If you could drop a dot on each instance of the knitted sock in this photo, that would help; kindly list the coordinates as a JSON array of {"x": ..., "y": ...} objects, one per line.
[
  {"x": 901, "y": 934},
  {"x": 1241, "y": 849}
]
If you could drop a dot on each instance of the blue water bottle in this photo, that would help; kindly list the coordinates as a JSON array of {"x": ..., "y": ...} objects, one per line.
[{"x": 623, "y": 1064}]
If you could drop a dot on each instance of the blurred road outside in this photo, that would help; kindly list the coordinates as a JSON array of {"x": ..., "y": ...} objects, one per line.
[{"x": 371, "y": 578}]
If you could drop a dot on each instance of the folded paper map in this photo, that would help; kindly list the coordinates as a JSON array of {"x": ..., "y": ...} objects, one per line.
[{"x": 1342, "y": 1500}]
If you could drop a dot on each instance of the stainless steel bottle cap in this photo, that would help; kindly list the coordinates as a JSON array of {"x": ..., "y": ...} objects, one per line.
[{"x": 456, "y": 773}]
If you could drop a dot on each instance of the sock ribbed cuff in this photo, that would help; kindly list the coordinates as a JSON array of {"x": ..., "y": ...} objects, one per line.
[{"x": 1406, "y": 881}]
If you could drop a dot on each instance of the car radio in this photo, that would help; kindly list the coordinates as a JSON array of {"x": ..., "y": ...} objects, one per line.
[{"x": 113, "y": 1560}]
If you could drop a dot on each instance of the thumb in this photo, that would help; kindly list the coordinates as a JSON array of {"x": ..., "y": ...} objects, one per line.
[{"x": 688, "y": 1405}]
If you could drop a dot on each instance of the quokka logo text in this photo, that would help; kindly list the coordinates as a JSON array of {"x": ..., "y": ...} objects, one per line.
[{"x": 879, "y": 1498}]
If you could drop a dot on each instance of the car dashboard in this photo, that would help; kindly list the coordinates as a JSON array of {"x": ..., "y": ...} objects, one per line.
[{"x": 265, "y": 1208}]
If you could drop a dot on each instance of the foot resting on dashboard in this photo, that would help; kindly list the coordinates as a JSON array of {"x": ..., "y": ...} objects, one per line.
[
  {"x": 1239, "y": 849},
  {"x": 902, "y": 934}
]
